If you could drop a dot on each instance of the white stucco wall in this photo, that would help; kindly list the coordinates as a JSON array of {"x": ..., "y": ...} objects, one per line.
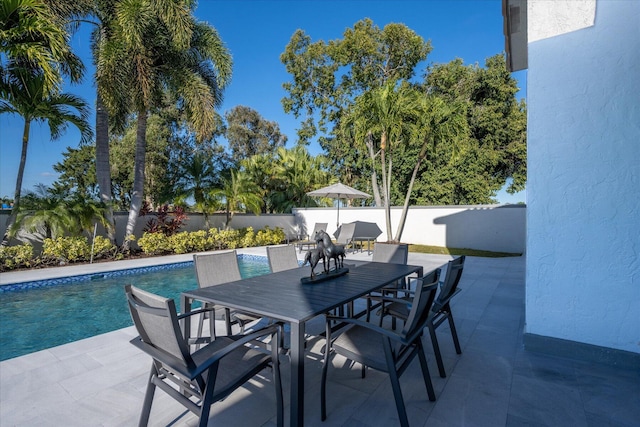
[
  {"x": 499, "y": 228},
  {"x": 583, "y": 186}
]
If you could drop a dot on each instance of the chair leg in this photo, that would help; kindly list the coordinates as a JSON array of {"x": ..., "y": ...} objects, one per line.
[
  {"x": 277, "y": 380},
  {"x": 148, "y": 398},
  {"x": 323, "y": 384},
  {"x": 436, "y": 350},
  {"x": 397, "y": 394},
  {"x": 454, "y": 333},
  {"x": 425, "y": 372}
]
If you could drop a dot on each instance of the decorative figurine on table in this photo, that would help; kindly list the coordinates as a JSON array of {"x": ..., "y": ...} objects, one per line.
[
  {"x": 313, "y": 257},
  {"x": 326, "y": 250}
]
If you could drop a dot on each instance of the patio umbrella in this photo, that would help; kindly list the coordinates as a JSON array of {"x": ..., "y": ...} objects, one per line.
[{"x": 338, "y": 191}]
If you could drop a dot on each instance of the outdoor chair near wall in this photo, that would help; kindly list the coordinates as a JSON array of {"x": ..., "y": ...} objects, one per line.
[
  {"x": 392, "y": 253},
  {"x": 310, "y": 242},
  {"x": 197, "y": 380},
  {"x": 345, "y": 237},
  {"x": 440, "y": 312},
  {"x": 213, "y": 269},
  {"x": 282, "y": 257},
  {"x": 383, "y": 349}
]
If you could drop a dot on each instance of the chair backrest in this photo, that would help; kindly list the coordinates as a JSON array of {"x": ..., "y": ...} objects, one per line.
[
  {"x": 319, "y": 226},
  {"x": 346, "y": 233},
  {"x": 389, "y": 252},
  {"x": 425, "y": 293},
  {"x": 451, "y": 280},
  {"x": 282, "y": 257},
  {"x": 156, "y": 321},
  {"x": 216, "y": 268}
]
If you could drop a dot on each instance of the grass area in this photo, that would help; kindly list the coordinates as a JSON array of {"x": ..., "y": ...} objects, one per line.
[{"x": 426, "y": 249}]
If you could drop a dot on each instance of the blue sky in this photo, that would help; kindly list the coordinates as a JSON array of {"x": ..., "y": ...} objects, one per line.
[{"x": 256, "y": 32}]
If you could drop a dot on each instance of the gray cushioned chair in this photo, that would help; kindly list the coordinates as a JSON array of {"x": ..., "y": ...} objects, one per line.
[
  {"x": 391, "y": 253},
  {"x": 383, "y": 349},
  {"x": 213, "y": 269},
  {"x": 199, "y": 379},
  {"x": 310, "y": 238},
  {"x": 440, "y": 312},
  {"x": 282, "y": 257}
]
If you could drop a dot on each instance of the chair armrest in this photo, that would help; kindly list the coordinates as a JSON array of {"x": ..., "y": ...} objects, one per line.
[
  {"x": 438, "y": 304},
  {"x": 375, "y": 328},
  {"x": 198, "y": 311},
  {"x": 388, "y": 299},
  {"x": 275, "y": 328}
]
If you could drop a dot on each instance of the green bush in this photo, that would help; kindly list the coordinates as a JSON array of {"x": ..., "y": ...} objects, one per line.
[
  {"x": 155, "y": 244},
  {"x": 12, "y": 257},
  {"x": 267, "y": 236},
  {"x": 66, "y": 249},
  {"x": 103, "y": 248}
]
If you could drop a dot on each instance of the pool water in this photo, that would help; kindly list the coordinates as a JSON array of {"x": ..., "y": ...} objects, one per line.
[{"x": 36, "y": 319}]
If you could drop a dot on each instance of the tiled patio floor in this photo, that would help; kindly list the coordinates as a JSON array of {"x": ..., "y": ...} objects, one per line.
[{"x": 495, "y": 382}]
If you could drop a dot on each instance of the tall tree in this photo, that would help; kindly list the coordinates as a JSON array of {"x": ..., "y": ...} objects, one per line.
[
  {"x": 248, "y": 133},
  {"x": 387, "y": 114},
  {"x": 497, "y": 128},
  {"x": 28, "y": 98},
  {"x": 154, "y": 56},
  {"x": 328, "y": 76},
  {"x": 238, "y": 194},
  {"x": 33, "y": 35}
]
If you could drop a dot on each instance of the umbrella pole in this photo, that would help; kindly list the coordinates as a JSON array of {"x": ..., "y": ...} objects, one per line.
[{"x": 338, "y": 221}]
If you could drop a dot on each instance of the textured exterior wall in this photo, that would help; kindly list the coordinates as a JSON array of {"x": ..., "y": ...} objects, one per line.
[{"x": 583, "y": 187}]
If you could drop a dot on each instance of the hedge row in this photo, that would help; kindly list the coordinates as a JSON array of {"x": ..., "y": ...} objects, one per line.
[{"x": 66, "y": 250}]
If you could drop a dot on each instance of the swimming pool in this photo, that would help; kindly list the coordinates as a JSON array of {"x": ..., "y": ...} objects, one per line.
[{"x": 39, "y": 315}]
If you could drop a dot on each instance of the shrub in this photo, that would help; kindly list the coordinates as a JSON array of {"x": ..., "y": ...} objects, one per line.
[
  {"x": 267, "y": 236},
  {"x": 155, "y": 243},
  {"x": 12, "y": 257},
  {"x": 66, "y": 249},
  {"x": 103, "y": 248}
]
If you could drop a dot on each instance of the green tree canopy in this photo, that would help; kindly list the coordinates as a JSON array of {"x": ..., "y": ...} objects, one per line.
[{"x": 248, "y": 133}]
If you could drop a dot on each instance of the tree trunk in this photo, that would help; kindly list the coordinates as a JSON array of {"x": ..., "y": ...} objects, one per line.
[
  {"x": 103, "y": 165},
  {"x": 386, "y": 192},
  {"x": 374, "y": 175},
  {"x": 405, "y": 207},
  {"x": 138, "y": 179},
  {"x": 16, "y": 195}
]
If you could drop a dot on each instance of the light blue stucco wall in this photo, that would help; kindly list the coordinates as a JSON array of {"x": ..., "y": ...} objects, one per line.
[{"x": 583, "y": 187}]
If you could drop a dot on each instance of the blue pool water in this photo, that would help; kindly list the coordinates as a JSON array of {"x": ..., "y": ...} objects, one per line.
[{"x": 47, "y": 316}]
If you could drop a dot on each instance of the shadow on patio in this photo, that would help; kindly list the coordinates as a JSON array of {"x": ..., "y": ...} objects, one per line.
[{"x": 494, "y": 382}]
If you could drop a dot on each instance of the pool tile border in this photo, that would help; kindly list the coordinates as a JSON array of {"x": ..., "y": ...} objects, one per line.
[{"x": 21, "y": 286}]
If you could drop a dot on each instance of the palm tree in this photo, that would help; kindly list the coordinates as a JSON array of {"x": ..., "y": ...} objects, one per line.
[
  {"x": 52, "y": 210},
  {"x": 438, "y": 122},
  {"x": 150, "y": 56},
  {"x": 240, "y": 194},
  {"x": 296, "y": 173},
  {"x": 26, "y": 96},
  {"x": 198, "y": 176},
  {"x": 389, "y": 113},
  {"x": 33, "y": 36}
]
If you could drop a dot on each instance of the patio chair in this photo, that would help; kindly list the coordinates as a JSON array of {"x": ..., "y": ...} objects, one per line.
[
  {"x": 391, "y": 253},
  {"x": 310, "y": 242},
  {"x": 345, "y": 237},
  {"x": 214, "y": 269},
  {"x": 440, "y": 312},
  {"x": 282, "y": 257},
  {"x": 197, "y": 380},
  {"x": 383, "y": 349}
]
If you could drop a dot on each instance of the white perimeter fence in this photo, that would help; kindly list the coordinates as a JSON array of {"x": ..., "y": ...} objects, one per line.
[{"x": 500, "y": 228}]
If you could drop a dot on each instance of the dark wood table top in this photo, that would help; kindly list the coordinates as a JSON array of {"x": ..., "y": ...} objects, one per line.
[{"x": 282, "y": 296}]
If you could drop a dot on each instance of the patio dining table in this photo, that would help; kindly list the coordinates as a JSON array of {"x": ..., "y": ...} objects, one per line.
[{"x": 281, "y": 296}]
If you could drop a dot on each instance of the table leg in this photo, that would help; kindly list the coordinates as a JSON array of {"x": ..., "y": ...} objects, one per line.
[
  {"x": 185, "y": 306},
  {"x": 297, "y": 374}
]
